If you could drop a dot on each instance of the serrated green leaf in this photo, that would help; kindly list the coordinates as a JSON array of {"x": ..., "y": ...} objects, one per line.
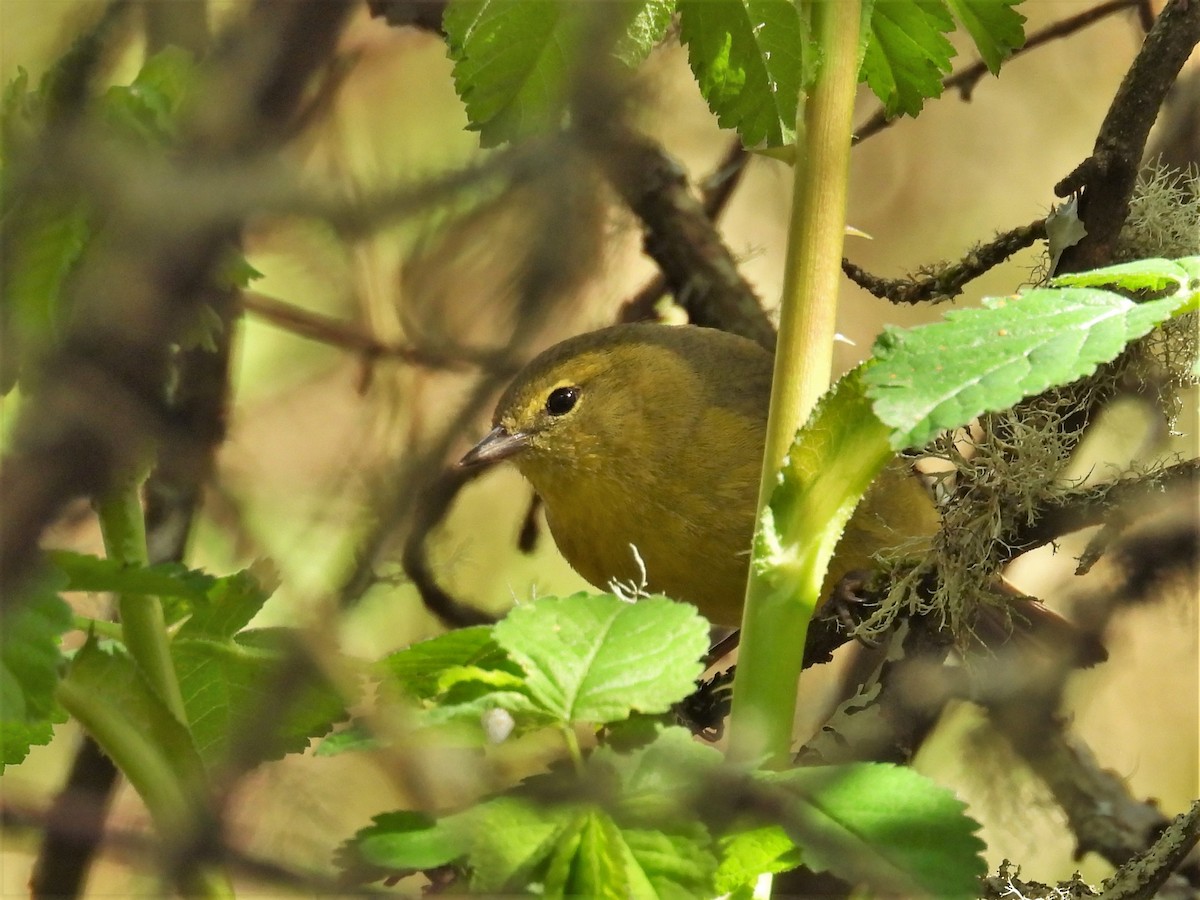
[
  {"x": 596, "y": 658},
  {"x": 750, "y": 59},
  {"x": 216, "y": 607},
  {"x": 659, "y": 778},
  {"x": 401, "y": 842},
  {"x": 831, "y": 463},
  {"x": 146, "y": 109},
  {"x": 996, "y": 28},
  {"x": 231, "y": 689},
  {"x": 228, "y": 605},
  {"x": 111, "y": 698},
  {"x": 907, "y": 53},
  {"x": 746, "y": 855},
  {"x": 647, "y": 28},
  {"x": 30, "y": 661},
  {"x": 940, "y": 376},
  {"x": 511, "y": 59},
  {"x": 509, "y": 840},
  {"x": 600, "y": 869},
  {"x": 1141, "y": 275},
  {"x": 418, "y": 669},
  {"x": 44, "y": 240},
  {"x": 354, "y": 739},
  {"x": 677, "y": 863},
  {"x": 884, "y": 826}
]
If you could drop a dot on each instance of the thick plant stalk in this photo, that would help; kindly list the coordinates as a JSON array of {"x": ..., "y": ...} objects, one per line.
[
  {"x": 773, "y": 625},
  {"x": 142, "y": 623}
]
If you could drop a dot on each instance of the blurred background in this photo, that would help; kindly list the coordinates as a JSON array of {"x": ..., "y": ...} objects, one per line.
[{"x": 315, "y": 429}]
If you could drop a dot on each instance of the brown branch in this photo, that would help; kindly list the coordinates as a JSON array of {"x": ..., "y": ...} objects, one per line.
[
  {"x": 715, "y": 192},
  {"x": 1142, "y": 876},
  {"x": 1075, "y": 510},
  {"x": 965, "y": 80},
  {"x": 946, "y": 282},
  {"x": 1106, "y": 179},
  {"x": 341, "y": 334},
  {"x": 679, "y": 236}
]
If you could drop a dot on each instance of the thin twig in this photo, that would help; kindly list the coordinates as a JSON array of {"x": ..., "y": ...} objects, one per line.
[{"x": 937, "y": 284}]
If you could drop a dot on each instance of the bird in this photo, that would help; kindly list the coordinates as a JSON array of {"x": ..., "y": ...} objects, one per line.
[{"x": 645, "y": 444}]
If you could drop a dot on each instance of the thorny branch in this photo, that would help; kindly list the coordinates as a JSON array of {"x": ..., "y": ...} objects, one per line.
[{"x": 945, "y": 282}]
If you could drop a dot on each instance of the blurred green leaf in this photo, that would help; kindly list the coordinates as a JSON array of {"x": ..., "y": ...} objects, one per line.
[
  {"x": 114, "y": 702},
  {"x": 235, "y": 695},
  {"x": 399, "y": 842},
  {"x": 884, "y": 826},
  {"x": 30, "y": 664},
  {"x": 419, "y": 668},
  {"x": 513, "y": 58}
]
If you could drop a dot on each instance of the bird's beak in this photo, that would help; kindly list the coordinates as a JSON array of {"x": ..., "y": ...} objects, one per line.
[{"x": 498, "y": 444}]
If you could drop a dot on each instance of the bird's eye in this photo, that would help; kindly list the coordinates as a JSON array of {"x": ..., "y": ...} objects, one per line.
[{"x": 562, "y": 400}]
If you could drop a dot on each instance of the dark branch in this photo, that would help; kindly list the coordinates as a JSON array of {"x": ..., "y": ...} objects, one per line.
[
  {"x": 946, "y": 282},
  {"x": 1106, "y": 179}
]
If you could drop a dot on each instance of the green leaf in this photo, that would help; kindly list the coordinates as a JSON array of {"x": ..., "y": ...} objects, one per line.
[
  {"x": 996, "y": 28},
  {"x": 44, "y": 240},
  {"x": 513, "y": 58},
  {"x": 1141, "y": 275},
  {"x": 940, "y": 376},
  {"x": 147, "y": 108},
  {"x": 215, "y": 607},
  {"x": 648, "y": 24},
  {"x": 907, "y": 53},
  {"x": 884, "y": 826},
  {"x": 677, "y": 863},
  {"x": 419, "y": 668},
  {"x": 596, "y": 658},
  {"x": 599, "y": 868},
  {"x": 30, "y": 660},
  {"x": 112, "y": 700},
  {"x": 745, "y": 855},
  {"x": 509, "y": 841},
  {"x": 835, "y": 457},
  {"x": 399, "y": 842},
  {"x": 234, "y": 696},
  {"x": 356, "y": 738},
  {"x": 228, "y": 605},
  {"x": 659, "y": 779},
  {"x": 750, "y": 59}
]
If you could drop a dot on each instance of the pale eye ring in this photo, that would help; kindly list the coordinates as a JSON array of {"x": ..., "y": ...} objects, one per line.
[{"x": 562, "y": 400}]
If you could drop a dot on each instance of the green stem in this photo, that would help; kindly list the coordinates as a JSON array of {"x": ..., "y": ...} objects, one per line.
[
  {"x": 774, "y": 625},
  {"x": 142, "y": 624},
  {"x": 573, "y": 749},
  {"x": 135, "y": 753}
]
